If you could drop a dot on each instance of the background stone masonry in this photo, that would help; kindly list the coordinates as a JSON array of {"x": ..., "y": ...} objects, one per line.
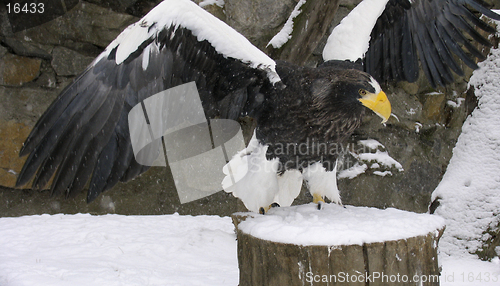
[{"x": 37, "y": 63}]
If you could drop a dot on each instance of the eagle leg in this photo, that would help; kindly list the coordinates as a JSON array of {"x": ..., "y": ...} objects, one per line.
[
  {"x": 318, "y": 199},
  {"x": 322, "y": 183},
  {"x": 264, "y": 210}
]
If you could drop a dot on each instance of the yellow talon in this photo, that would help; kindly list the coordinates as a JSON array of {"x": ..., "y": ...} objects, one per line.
[{"x": 317, "y": 199}]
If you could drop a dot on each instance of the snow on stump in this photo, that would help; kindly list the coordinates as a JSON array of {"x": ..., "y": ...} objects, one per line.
[{"x": 302, "y": 245}]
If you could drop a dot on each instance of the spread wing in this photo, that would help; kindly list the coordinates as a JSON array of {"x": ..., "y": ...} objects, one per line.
[
  {"x": 83, "y": 137},
  {"x": 400, "y": 36}
]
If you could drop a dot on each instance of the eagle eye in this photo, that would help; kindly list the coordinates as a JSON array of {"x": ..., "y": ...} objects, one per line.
[{"x": 362, "y": 92}]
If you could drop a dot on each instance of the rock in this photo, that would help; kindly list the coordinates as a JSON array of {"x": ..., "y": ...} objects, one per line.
[
  {"x": 87, "y": 23},
  {"x": 5, "y": 27},
  {"x": 12, "y": 136},
  {"x": 25, "y": 105},
  {"x": 119, "y": 6},
  {"x": 350, "y": 4},
  {"x": 421, "y": 138},
  {"x": 26, "y": 49},
  {"x": 67, "y": 62},
  {"x": 258, "y": 20},
  {"x": 18, "y": 70},
  {"x": 47, "y": 79},
  {"x": 406, "y": 109},
  {"x": 152, "y": 193},
  {"x": 213, "y": 9},
  {"x": 107, "y": 204},
  {"x": 142, "y": 7},
  {"x": 38, "y": 14},
  {"x": 434, "y": 106},
  {"x": 309, "y": 27},
  {"x": 20, "y": 109},
  {"x": 3, "y": 51},
  {"x": 490, "y": 243}
]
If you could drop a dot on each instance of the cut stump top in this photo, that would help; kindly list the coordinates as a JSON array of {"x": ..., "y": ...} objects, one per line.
[{"x": 337, "y": 225}]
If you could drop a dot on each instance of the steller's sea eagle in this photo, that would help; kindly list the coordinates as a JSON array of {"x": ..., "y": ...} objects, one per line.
[{"x": 83, "y": 138}]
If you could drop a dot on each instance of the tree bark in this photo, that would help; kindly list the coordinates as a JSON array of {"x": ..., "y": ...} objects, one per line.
[{"x": 402, "y": 262}]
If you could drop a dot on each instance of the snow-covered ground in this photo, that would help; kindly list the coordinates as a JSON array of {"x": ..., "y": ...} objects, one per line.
[
  {"x": 74, "y": 250},
  {"x": 82, "y": 250}
]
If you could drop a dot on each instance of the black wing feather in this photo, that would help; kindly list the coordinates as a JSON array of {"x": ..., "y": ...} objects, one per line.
[
  {"x": 409, "y": 59},
  {"x": 432, "y": 31},
  {"x": 87, "y": 130},
  {"x": 89, "y": 156},
  {"x": 84, "y": 136},
  {"x": 108, "y": 158}
]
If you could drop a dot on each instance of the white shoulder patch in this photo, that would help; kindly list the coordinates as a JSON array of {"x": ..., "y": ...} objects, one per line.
[{"x": 350, "y": 39}]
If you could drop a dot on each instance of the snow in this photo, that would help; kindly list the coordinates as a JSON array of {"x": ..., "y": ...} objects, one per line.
[
  {"x": 82, "y": 250},
  {"x": 418, "y": 125},
  {"x": 202, "y": 24},
  {"x": 470, "y": 189},
  {"x": 350, "y": 39},
  {"x": 305, "y": 225},
  {"x": 371, "y": 143},
  {"x": 382, "y": 174},
  {"x": 353, "y": 171},
  {"x": 434, "y": 93},
  {"x": 382, "y": 158},
  {"x": 456, "y": 104},
  {"x": 117, "y": 250},
  {"x": 285, "y": 33},
  {"x": 205, "y": 3},
  {"x": 374, "y": 154},
  {"x": 469, "y": 271}
]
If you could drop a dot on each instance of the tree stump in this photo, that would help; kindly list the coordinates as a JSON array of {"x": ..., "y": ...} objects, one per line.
[{"x": 302, "y": 245}]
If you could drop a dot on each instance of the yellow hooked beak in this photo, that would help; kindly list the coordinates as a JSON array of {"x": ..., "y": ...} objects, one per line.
[{"x": 378, "y": 103}]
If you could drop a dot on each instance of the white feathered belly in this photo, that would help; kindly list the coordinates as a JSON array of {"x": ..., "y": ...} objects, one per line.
[{"x": 254, "y": 179}]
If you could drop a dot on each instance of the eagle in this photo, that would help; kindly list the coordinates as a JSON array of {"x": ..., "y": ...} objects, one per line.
[{"x": 82, "y": 141}]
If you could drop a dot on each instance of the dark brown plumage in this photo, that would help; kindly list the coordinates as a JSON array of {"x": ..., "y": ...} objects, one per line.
[{"x": 307, "y": 121}]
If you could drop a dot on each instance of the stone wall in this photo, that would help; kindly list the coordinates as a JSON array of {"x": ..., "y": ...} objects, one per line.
[
  {"x": 38, "y": 58},
  {"x": 37, "y": 63}
]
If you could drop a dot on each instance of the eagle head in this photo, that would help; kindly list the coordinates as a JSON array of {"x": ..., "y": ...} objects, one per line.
[
  {"x": 346, "y": 91},
  {"x": 373, "y": 97}
]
